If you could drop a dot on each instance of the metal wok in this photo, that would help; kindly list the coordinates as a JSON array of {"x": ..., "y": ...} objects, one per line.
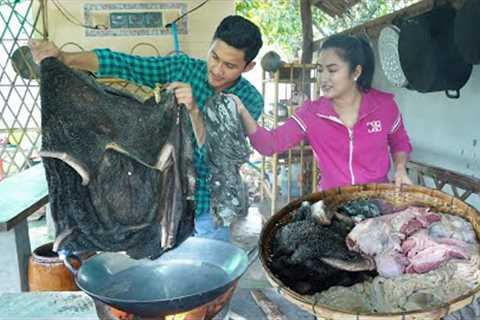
[{"x": 194, "y": 273}]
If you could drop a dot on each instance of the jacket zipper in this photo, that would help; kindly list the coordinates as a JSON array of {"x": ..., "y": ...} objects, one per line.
[
  {"x": 350, "y": 144},
  {"x": 350, "y": 154}
]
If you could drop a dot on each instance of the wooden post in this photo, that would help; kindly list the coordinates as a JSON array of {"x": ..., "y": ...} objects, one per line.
[
  {"x": 271, "y": 310},
  {"x": 262, "y": 172},
  {"x": 307, "y": 30},
  {"x": 275, "y": 156}
]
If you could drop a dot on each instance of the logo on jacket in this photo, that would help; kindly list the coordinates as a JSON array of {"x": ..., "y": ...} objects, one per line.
[{"x": 374, "y": 126}]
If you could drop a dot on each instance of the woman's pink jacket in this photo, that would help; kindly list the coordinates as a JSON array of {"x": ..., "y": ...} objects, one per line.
[{"x": 345, "y": 156}]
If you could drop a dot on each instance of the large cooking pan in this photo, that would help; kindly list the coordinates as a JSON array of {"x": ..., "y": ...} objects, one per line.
[
  {"x": 194, "y": 273},
  {"x": 467, "y": 23},
  {"x": 429, "y": 58}
]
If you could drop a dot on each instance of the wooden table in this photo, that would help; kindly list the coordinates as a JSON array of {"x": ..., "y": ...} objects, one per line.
[{"x": 20, "y": 196}]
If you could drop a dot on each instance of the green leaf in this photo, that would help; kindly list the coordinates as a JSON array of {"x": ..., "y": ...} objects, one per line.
[{"x": 280, "y": 21}]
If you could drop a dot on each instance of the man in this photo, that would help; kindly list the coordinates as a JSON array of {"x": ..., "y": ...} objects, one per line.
[{"x": 235, "y": 44}]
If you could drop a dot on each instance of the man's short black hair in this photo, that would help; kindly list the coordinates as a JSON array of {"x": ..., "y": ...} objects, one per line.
[{"x": 240, "y": 33}]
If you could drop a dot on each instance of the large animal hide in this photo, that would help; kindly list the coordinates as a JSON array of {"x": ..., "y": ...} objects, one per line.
[
  {"x": 227, "y": 149},
  {"x": 299, "y": 250},
  {"x": 119, "y": 171}
]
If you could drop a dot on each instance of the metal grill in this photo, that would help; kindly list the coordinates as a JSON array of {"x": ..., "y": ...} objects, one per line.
[
  {"x": 19, "y": 98},
  {"x": 20, "y": 127}
]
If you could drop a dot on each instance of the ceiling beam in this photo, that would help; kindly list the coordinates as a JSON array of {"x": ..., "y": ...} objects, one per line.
[
  {"x": 334, "y": 8},
  {"x": 373, "y": 27}
]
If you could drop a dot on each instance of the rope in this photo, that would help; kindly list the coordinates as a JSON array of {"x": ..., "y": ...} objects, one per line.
[
  {"x": 73, "y": 44},
  {"x": 145, "y": 44},
  {"x": 155, "y": 92},
  {"x": 168, "y": 25},
  {"x": 71, "y": 18}
]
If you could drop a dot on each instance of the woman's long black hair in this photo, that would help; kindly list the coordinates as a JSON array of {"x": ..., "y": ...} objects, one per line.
[{"x": 354, "y": 50}]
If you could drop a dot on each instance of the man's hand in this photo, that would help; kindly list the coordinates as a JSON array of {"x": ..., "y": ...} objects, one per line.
[
  {"x": 42, "y": 49},
  {"x": 183, "y": 93}
]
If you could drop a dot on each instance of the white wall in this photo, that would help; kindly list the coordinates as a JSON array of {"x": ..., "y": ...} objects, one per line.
[
  {"x": 201, "y": 25},
  {"x": 444, "y": 132}
]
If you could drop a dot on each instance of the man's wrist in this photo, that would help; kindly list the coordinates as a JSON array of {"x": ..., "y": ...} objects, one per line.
[
  {"x": 194, "y": 110},
  {"x": 61, "y": 56}
]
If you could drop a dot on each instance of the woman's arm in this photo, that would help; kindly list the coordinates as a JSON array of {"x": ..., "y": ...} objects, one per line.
[
  {"x": 400, "y": 162},
  {"x": 268, "y": 142},
  {"x": 249, "y": 124},
  {"x": 400, "y": 149}
]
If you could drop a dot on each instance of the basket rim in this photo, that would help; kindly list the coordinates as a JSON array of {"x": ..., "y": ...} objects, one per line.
[{"x": 444, "y": 308}]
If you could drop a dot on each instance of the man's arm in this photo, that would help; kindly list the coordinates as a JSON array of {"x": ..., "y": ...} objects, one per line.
[
  {"x": 87, "y": 60},
  {"x": 42, "y": 49},
  {"x": 198, "y": 125}
]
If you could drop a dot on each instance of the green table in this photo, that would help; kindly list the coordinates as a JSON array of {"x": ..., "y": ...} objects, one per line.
[{"x": 20, "y": 196}]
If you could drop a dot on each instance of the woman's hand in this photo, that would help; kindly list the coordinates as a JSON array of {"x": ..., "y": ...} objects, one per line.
[
  {"x": 401, "y": 177},
  {"x": 240, "y": 106},
  {"x": 400, "y": 161},
  {"x": 249, "y": 124}
]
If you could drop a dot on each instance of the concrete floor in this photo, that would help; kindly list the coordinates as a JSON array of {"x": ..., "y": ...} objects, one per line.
[{"x": 245, "y": 234}]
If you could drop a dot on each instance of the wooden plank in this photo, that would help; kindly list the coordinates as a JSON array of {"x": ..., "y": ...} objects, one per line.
[
  {"x": 373, "y": 27},
  {"x": 269, "y": 308},
  {"x": 21, "y": 195},
  {"x": 444, "y": 177},
  {"x": 334, "y": 8}
]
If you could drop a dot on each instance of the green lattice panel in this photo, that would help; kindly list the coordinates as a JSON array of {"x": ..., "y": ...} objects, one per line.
[{"x": 19, "y": 97}]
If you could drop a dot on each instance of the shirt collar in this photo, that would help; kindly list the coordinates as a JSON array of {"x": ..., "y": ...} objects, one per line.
[
  {"x": 235, "y": 86},
  {"x": 367, "y": 105}
]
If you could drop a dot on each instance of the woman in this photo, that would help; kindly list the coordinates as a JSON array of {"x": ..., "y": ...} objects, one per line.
[{"x": 352, "y": 128}]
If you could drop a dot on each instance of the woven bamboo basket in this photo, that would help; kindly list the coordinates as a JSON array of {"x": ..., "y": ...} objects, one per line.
[{"x": 409, "y": 195}]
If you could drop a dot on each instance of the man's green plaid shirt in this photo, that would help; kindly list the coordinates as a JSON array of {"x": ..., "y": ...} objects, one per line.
[{"x": 149, "y": 71}]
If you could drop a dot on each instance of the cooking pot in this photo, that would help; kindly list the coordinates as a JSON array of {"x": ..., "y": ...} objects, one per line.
[
  {"x": 23, "y": 64},
  {"x": 430, "y": 60},
  {"x": 194, "y": 273},
  {"x": 271, "y": 61},
  {"x": 467, "y": 24}
]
